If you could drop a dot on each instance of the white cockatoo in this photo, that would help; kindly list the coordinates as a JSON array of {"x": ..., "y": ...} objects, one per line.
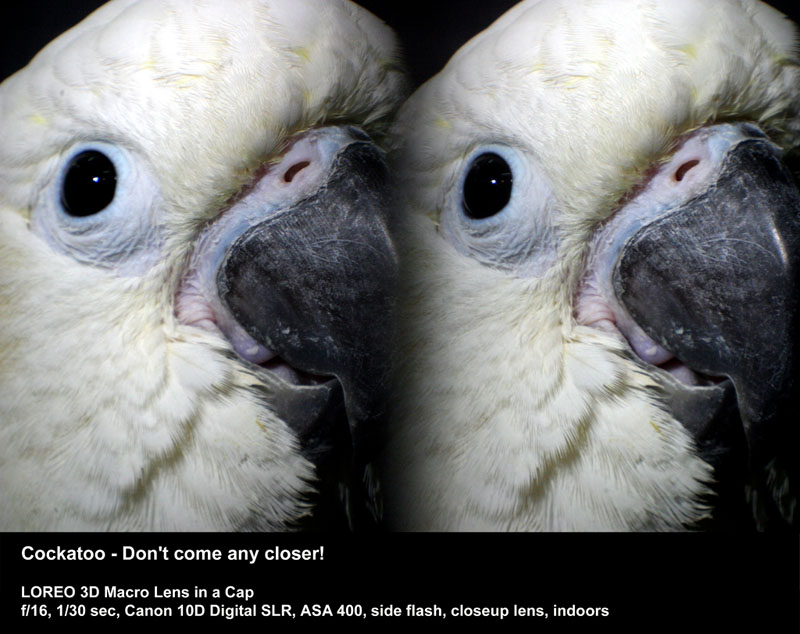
[
  {"x": 598, "y": 272},
  {"x": 193, "y": 256}
]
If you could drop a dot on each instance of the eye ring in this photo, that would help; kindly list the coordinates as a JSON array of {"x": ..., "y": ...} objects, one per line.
[
  {"x": 487, "y": 186},
  {"x": 89, "y": 184},
  {"x": 101, "y": 206}
]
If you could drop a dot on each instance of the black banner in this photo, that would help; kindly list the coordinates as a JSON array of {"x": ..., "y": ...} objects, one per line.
[{"x": 575, "y": 583}]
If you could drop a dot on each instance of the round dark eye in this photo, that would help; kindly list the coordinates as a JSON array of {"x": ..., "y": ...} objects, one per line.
[
  {"x": 89, "y": 184},
  {"x": 487, "y": 188}
]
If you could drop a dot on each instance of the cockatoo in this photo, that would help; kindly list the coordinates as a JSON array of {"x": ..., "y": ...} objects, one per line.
[
  {"x": 599, "y": 273},
  {"x": 195, "y": 264}
]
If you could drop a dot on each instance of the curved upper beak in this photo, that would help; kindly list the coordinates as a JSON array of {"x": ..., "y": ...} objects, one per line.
[
  {"x": 714, "y": 280},
  {"x": 315, "y": 281}
]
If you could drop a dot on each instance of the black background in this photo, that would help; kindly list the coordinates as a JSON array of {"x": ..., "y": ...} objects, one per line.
[{"x": 649, "y": 582}]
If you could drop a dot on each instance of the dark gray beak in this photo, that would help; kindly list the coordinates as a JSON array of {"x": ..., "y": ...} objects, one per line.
[
  {"x": 315, "y": 283},
  {"x": 715, "y": 282}
]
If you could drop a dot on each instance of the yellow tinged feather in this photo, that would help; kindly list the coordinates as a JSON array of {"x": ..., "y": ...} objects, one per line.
[
  {"x": 690, "y": 50},
  {"x": 303, "y": 52}
]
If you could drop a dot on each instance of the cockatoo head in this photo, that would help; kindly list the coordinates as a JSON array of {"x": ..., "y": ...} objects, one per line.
[
  {"x": 599, "y": 268},
  {"x": 195, "y": 267}
]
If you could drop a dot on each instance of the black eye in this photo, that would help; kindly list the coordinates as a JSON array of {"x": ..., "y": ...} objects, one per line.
[
  {"x": 487, "y": 188},
  {"x": 89, "y": 184}
]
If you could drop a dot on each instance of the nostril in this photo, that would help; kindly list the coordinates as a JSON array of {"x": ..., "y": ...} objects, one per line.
[
  {"x": 294, "y": 169},
  {"x": 683, "y": 169}
]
